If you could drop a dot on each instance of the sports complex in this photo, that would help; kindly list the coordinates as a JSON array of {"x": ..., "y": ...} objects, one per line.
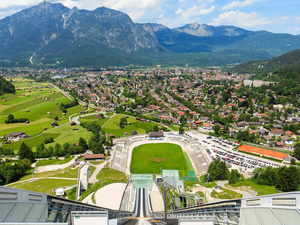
[{"x": 156, "y": 163}]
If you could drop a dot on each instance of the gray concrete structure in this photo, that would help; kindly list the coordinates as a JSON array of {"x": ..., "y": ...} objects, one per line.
[{"x": 19, "y": 206}]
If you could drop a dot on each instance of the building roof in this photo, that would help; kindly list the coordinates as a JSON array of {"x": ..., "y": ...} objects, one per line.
[
  {"x": 156, "y": 134},
  {"x": 276, "y": 131},
  {"x": 15, "y": 134},
  {"x": 285, "y": 138},
  {"x": 93, "y": 156}
]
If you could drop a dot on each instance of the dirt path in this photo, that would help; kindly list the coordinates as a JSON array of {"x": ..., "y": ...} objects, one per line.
[
  {"x": 55, "y": 167},
  {"x": 245, "y": 194},
  {"x": 208, "y": 191}
]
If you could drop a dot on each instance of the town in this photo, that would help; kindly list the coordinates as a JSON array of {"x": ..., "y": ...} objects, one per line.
[{"x": 228, "y": 105}]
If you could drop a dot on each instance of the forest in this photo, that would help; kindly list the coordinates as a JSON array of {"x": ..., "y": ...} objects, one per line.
[{"x": 6, "y": 86}]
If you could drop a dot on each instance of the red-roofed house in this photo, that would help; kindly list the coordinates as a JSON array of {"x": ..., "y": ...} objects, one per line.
[{"x": 207, "y": 126}]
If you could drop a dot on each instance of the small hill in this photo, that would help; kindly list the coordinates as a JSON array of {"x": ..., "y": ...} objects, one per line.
[{"x": 286, "y": 60}]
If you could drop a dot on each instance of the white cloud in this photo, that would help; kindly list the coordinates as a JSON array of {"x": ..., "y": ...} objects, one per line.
[
  {"x": 194, "y": 11},
  {"x": 235, "y": 4},
  {"x": 134, "y": 8},
  {"x": 17, "y": 3},
  {"x": 240, "y": 19}
]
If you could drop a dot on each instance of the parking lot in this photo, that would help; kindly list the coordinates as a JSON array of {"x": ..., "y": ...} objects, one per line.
[{"x": 244, "y": 163}]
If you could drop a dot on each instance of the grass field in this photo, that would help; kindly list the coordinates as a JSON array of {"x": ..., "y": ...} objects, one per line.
[
  {"x": 110, "y": 174},
  {"x": 188, "y": 161},
  {"x": 45, "y": 185},
  {"x": 61, "y": 134},
  {"x": 106, "y": 176},
  {"x": 151, "y": 158},
  {"x": 226, "y": 194},
  {"x": 48, "y": 181},
  {"x": 111, "y": 127},
  {"x": 175, "y": 128},
  {"x": 41, "y": 114},
  {"x": 260, "y": 189},
  {"x": 90, "y": 119},
  {"x": 41, "y": 111},
  {"x": 53, "y": 161}
]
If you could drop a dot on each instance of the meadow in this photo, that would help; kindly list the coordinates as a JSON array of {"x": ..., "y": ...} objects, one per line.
[
  {"x": 45, "y": 185},
  {"x": 92, "y": 118},
  {"x": 111, "y": 127},
  {"x": 151, "y": 158},
  {"x": 62, "y": 134},
  {"x": 39, "y": 105},
  {"x": 47, "y": 162},
  {"x": 41, "y": 113},
  {"x": 226, "y": 194},
  {"x": 48, "y": 181},
  {"x": 260, "y": 189}
]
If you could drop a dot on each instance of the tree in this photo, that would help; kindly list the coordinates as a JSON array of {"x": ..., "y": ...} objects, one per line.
[
  {"x": 218, "y": 170},
  {"x": 97, "y": 148},
  {"x": 234, "y": 176},
  {"x": 217, "y": 129},
  {"x": 10, "y": 117},
  {"x": 83, "y": 143},
  {"x": 26, "y": 153},
  {"x": 181, "y": 130},
  {"x": 297, "y": 151},
  {"x": 289, "y": 179},
  {"x": 293, "y": 161},
  {"x": 123, "y": 122}
]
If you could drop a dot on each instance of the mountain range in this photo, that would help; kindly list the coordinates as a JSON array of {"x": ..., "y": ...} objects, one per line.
[{"x": 54, "y": 35}]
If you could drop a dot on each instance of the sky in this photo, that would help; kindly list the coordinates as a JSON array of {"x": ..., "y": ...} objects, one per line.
[{"x": 278, "y": 16}]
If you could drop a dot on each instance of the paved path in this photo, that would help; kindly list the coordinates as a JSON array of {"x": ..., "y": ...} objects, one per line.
[
  {"x": 108, "y": 120},
  {"x": 93, "y": 178}
]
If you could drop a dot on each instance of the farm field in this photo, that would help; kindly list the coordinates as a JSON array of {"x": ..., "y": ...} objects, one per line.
[
  {"x": 111, "y": 127},
  {"x": 151, "y": 158},
  {"x": 90, "y": 119},
  {"x": 61, "y": 134},
  {"x": 37, "y": 100}
]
